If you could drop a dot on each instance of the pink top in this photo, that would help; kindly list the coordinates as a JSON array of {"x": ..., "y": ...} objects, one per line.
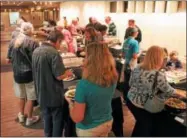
[
  {"x": 69, "y": 40},
  {"x": 73, "y": 29}
]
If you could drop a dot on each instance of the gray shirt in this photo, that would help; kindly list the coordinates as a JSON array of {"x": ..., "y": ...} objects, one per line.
[{"x": 47, "y": 66}]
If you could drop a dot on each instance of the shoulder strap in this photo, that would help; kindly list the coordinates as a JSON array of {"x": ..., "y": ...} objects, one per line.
[{"x": 155, "y": 81}]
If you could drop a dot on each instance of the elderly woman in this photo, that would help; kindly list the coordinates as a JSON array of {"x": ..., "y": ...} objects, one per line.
[
  {"x": 20, "y": 55},
  {"x": 148, "y": 91},
  {"x": 68, "y": 40},
  {"x": 92, "y": 114},
  {"x": 17, "y": 30}
]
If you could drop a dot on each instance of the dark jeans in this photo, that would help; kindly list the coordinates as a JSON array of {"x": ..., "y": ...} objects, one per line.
[
  {"x": 117, "y": 113},
  {"x": 69, "y": 125},
  {"x": 53, "y": 121},
  {"x": 127, "y": 74},
  {"x": 144, "y": 121}
]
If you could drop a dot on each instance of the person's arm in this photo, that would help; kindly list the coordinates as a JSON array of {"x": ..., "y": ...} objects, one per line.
[
  {"x": 73, "y": 31},
  {"x": 131, "y": 80},
  {"x": 164, "y": 86},
  {"x": 9, "y": 53},
  {"x": 126, "y": 34},
  {"x": 139, "y": 37},
  {"x": 135, "y": 50},
  {"x": 77, "y": 109},
  {"x": 58, "y": 68}
]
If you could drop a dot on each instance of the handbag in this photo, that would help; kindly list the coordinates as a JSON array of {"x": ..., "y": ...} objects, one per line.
[{"x": 154, "y": 104}]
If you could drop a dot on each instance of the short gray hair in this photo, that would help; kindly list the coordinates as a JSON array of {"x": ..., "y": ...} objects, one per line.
[{"x": 27, "y": 28}]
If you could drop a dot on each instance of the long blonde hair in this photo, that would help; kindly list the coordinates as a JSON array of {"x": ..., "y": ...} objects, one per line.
[
  {"x": 99, "y": 65},
  {"x": 154, "y": 57}
]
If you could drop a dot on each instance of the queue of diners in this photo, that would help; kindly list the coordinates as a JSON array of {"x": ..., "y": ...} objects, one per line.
[{"x": 82, "y": 77}]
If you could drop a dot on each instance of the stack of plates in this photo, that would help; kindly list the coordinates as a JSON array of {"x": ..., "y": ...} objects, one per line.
[
  {"x": 68, "y": 55},
  {"x": 175, "y": 76},
  {"x": 73, "y": 62},
  {"x": 117, "y": 47}
]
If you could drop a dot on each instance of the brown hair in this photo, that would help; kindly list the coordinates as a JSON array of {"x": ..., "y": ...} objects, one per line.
[
  {"x": 166, "y": 52},
  {"x": 173, "y": 53},
  {"x": 132, "y": 20},
  {"x": 91, "y": 31},
  {"x": 154, "y": 57},
  {"x": 99, "y": 65},
  {"x": 94, "y": 35}
]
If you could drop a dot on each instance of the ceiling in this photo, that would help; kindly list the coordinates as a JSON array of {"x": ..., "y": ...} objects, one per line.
[{"x": 28, "y": 5}]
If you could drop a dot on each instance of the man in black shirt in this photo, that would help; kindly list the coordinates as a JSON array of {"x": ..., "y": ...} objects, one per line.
[
  {"x": 132, "y": 24},
  {"x": 48, "y": 72},
  {"x": 20, "y": 55}
]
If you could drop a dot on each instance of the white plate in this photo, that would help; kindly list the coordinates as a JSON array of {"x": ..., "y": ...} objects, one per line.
[
  {"x": 72, "y": 78},
  {"x": 82, "y": 45},
  {"x": 69, "y": 91}
]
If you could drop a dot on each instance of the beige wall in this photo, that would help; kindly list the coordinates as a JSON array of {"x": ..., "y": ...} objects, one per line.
[
  {"x": 83, "y": 10},
  {"x": 167, "y": 30},
  {"x": 37, "y": 18},
  {"x": 5, "y": 20},
  {"x": 164, "y": 29}
]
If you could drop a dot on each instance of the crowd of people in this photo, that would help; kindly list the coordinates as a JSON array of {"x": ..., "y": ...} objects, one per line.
[{"x": 38, "y": 73}]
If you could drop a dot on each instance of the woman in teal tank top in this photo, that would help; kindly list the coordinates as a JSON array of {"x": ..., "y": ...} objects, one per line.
[{"x": 92, "y": 111}]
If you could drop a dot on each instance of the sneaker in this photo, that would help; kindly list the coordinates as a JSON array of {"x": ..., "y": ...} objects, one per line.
[
  {"x": 32, "y": 120},
  {"x": 21, "y": 117}
]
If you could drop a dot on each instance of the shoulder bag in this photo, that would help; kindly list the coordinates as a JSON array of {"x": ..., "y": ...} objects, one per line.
[{"x": 154, "y": 104}]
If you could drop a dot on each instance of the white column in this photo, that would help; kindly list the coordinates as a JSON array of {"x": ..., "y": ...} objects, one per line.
[
  {"x": 131, "y": 6},
  {"x": 140, "y": 6},
  {"x": 119, "y": 6},
  {"x": 160, "y": 6},
  {"x": 172, "y": 6},
  {"x": 107, "y": 7},
  {"x": 149, "y": 6}
]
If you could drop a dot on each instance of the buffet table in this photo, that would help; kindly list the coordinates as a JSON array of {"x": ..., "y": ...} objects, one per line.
[
  {"x": 177, "y": 79},
  {"x": 167, "y": 124},
  {"x": 117, "y": 111},
  {"x": 170, "y": 125}
]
